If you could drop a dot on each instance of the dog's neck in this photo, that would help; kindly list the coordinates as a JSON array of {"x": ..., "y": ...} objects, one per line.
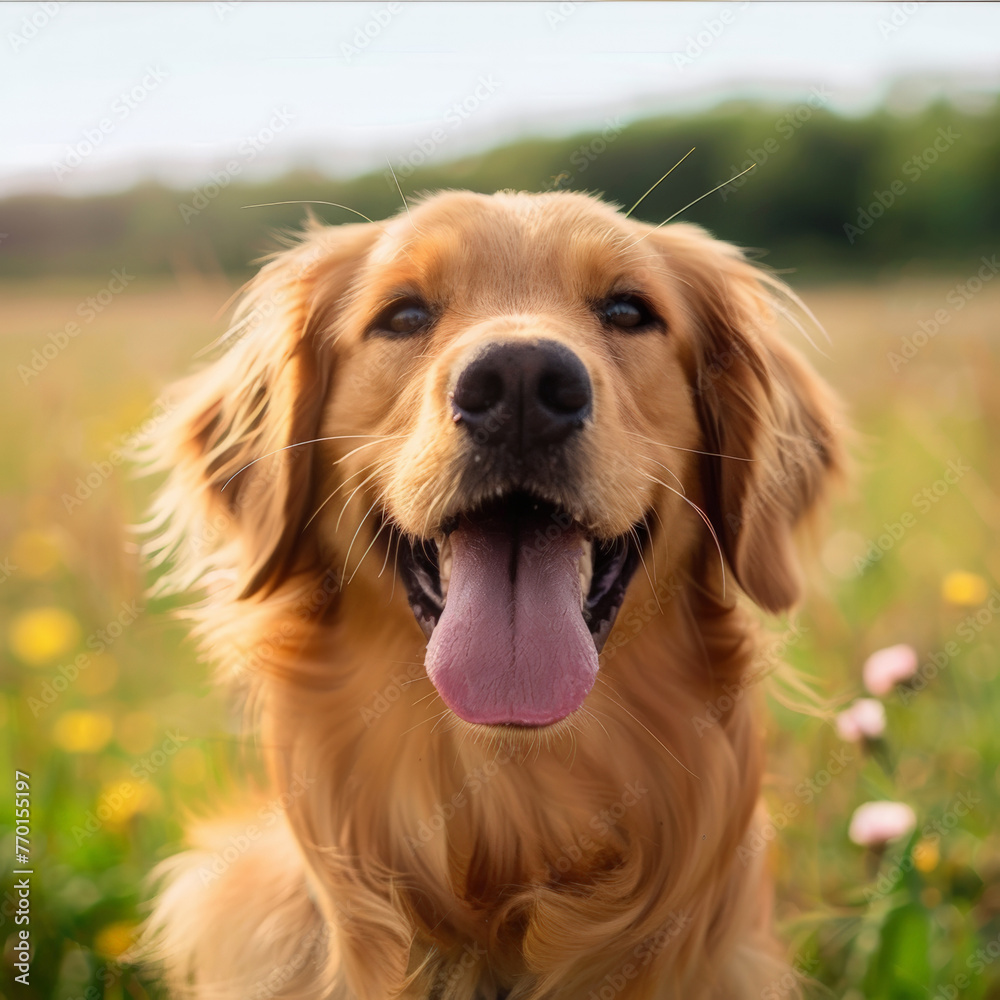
[{"x": 490, "y": 843}]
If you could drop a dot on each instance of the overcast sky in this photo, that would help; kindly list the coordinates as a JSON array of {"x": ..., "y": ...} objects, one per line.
[{"x": 93, "y": 96}]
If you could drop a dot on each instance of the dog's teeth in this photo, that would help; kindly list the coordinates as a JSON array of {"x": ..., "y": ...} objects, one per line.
[
  {"x": 586, "y": 571},
  {"x": 444, "y": 566}
]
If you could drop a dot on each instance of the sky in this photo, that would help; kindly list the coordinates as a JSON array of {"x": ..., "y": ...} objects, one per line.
[{"x": 96, "y": 96}]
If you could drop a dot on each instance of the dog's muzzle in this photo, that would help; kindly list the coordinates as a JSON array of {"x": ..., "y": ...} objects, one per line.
[{"x": 514, "y": 594}]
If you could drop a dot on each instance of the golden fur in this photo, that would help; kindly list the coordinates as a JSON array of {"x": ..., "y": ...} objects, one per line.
[{"x": 419, "y": 856}]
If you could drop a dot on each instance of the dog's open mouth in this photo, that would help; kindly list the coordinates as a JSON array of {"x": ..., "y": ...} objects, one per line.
[{"x": 516, "y": 601}]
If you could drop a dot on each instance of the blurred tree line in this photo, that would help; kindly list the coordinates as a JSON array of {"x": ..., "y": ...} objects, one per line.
[{"x": 830, "y": 196}]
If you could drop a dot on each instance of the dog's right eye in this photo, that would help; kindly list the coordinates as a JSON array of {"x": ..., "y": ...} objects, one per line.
[
  {"x": 402, "y": 318},
  {"x": 626, "y": 312}
]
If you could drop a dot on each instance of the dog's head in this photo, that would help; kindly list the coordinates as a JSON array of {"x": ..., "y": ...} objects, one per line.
[{"x": 519, "y": 406}]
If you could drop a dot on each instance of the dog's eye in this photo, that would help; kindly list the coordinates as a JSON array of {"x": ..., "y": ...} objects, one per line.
[
  {"x": 403, "y": 318},
  {"x": 626, "y": 312}
]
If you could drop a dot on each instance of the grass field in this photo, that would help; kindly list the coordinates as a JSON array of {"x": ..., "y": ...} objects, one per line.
[{"x": 113, "y": 718}]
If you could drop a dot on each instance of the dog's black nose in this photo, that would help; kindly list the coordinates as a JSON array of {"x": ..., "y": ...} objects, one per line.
[{"x": 523, "y": 395}]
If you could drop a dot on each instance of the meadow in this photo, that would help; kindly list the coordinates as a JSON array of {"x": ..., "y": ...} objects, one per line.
[{"x": 107, "y": 708}]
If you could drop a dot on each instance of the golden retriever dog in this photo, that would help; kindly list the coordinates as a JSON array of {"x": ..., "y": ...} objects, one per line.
[{"x": 485, "y": 502}]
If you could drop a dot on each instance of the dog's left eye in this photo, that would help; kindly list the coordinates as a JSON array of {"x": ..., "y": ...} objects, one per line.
[
  {"x": 626, "y": 312},
  {"x": 403, "y": 318}
]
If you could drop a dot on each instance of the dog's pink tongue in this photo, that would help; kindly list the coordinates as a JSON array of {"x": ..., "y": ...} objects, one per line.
[{"x": 512, "y": 650}]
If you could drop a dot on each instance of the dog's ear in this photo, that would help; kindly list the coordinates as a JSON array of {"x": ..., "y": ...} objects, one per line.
[
  {"x": 759, "y": 403},
  {"x": 240, "y": 482}
]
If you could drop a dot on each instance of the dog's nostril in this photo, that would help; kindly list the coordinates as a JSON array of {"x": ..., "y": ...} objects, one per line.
[
  {"x": 479, "y": 389},
  {"x": 565, "y": 391}
]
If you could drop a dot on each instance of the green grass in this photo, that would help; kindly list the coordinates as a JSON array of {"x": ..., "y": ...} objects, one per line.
[{"x": 139, "y": 735}]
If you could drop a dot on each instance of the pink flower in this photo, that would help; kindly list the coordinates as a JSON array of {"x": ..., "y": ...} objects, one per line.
[
  {"x": 864, "y": 719},
  {"x": 877, "y": 823},
  {"x": 884, "y": 669}
]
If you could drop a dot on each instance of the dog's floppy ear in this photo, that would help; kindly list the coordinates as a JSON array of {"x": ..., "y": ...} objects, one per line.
[
  {"x": 759, "y": 402},
  {"x": 237, "y": 497}
]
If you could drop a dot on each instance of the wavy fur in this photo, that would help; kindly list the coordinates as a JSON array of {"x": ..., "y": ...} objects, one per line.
[{"x": 417, "y": 856}]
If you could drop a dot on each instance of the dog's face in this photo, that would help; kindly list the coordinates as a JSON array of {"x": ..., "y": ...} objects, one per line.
[{"x": 523, "y": 408}]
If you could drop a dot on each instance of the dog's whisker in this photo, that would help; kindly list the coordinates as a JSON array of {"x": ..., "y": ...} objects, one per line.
[
  {"x": 652, "y": 580},
  {"x": 433, "y": 506},
  {"x": 423, "y": 722},
  {"x": 314, "y": 201},
  {"x": 670, "y": 472},
  {"x": 370, "y": 544},
  {"x": 299, "y": 444},
  {"x": 663, "y": 535},
  {"x": 331, "y": 204},
  {"x": 395, "y": 567},
  {"x": 401, "y": 195},
  {"x": 655, "y": 737},
  {"x": 705, "y": 518},
  {"x": 346, "y": 481},
  {"x": 364, "y": 482},
  {"x": 681, "y": 211},
  {"x": 435, "y": 719},
  {"x": 385, "y": 561},
  {"x": 343, "y": 485},
  {"x": 652, "y": 552},
  {"x": 659, "y": 182},
  {"x": 592, "y": 713},
  {"x": 368, "y": 444},
  {"x": 781, "y": 291},
  {"x": 319, "y": 509},
  {"x": 693, "y": 451},
  {"x": 347, "y": 558}
]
